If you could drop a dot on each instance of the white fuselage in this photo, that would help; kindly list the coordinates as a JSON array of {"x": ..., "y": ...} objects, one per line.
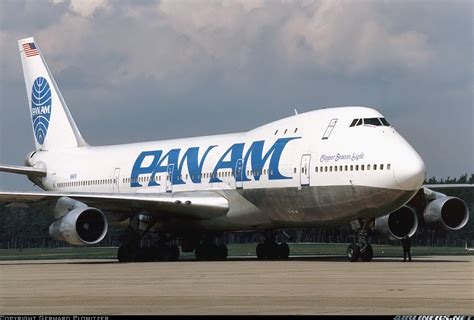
[{"x": 313, "y": 150}]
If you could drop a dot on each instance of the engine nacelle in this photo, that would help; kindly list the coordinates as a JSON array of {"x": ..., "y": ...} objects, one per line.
[
  {"x": 450, "y": 213},
  {"x": 80, "y": 226},
  {"x": 398, "y": 224}
]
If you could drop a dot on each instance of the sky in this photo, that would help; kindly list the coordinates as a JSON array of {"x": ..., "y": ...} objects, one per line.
[{"x": 141, "y": 70}]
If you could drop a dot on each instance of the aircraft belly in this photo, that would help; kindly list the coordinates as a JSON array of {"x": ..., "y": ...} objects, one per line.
[{"x": 310, "y": 206}]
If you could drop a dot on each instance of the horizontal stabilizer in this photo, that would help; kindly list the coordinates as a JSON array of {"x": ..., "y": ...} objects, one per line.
[{"x": 28, "y": 171}]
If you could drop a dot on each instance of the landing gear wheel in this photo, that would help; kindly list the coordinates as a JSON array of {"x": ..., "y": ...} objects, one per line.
[
  {"x": 260, "y": 251},
  {"x": 126, "y": 253},
  {"x": 221, "y": 252},
  {"x": 368, "y": 254},
  {"x": 200, "y": 253},
  {"x": 353, "y": 252},
  {"x": 283, "y": 251},
  {"x": 173, "y": 253}
]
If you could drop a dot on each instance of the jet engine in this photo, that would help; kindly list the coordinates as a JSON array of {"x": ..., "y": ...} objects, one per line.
[
  {"x": 398, "y": 224},
  {"x": 450, "y": 213},
  {"x": 81, "y": 226}
]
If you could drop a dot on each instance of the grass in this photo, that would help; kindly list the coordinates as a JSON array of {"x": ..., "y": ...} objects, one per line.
[{"x": 247, "y": 249}]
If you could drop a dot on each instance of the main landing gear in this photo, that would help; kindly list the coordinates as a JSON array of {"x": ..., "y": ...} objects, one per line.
[
  {"x": 165, "y": 248},
  {"x": 269, "y": 249},
  {"x": 361, "y": 248},
  {"x": 211, "y": 248}
]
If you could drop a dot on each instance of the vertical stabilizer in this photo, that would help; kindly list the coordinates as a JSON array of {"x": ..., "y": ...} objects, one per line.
[{"x": 53, "y": 125}]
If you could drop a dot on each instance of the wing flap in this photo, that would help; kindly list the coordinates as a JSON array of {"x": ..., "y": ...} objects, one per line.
[{"x": 197, "y": 205}]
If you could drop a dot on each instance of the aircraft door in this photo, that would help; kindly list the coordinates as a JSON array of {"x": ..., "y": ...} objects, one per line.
[
  {"x": 305, "y": 169},
  {"x": 238, "y": 175},
  {"x": 116, "y": 180},
  {"x": 53, "y": 181},
  {"x": 169, "y": 178}
]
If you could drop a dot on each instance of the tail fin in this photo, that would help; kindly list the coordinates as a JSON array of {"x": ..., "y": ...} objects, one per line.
[{"x": 53, "y": 125}]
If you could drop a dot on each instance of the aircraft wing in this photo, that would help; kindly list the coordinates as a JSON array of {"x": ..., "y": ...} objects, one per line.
[
  {"x": 449, "y": 185},
  {"x": 193, "y": 205}
]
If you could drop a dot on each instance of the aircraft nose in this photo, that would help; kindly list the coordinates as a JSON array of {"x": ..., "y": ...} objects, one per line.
[{"x": 410, "y": 172}]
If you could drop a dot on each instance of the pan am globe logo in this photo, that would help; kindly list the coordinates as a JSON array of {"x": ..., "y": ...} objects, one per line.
[{"x": 40, "y": 108}]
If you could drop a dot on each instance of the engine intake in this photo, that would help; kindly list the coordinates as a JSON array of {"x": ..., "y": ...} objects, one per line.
[
  {"x": 398, "y": 224},
  {"x": 81, "y": 226},
  {"x": 450, "y": 213}
]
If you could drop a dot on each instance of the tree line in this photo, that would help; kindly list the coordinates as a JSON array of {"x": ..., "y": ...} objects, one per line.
[{"x": 28, "y": 228}]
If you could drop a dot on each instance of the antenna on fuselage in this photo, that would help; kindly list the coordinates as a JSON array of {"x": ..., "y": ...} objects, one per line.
[{"x": 296, "y": 112}]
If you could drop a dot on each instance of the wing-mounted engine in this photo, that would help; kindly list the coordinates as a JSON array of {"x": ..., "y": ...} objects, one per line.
[
  {"x": 443, "y": 211},
  {"x": 77, "y": 223},
  {"x": 398, "y": 224}
]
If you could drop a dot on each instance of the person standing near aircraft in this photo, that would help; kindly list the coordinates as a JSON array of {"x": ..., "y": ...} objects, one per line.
[{"x": 406, "y": 243}]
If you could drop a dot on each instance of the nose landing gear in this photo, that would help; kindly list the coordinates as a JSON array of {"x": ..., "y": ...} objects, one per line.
[{"x": 360, "y": 248}]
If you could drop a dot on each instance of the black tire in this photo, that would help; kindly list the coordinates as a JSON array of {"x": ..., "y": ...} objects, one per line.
[
  {"x": 272, "y": 250},
  {"x": 260, "y": 251},
  {"x": 368, "y": 254},
  {"x": 222, "y": 252},
  {"x": 283, "y": 251},
  {"x": 126, "y": 254},
  {"x": 173, "y": 253},
  {"x": 353, "y": 252},
  {"x": 200, "y": 253}
]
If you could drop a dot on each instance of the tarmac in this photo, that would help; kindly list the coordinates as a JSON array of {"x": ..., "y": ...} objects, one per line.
[{"x": 305, "y": 285}]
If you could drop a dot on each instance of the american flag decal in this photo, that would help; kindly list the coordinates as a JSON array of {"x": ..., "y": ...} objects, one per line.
[{"x": 30, "y": 49}]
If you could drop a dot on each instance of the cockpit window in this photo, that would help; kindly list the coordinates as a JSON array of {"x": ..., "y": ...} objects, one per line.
[
  {"x": 372, "y": 121},
  {"x": 385, "y": 122}
]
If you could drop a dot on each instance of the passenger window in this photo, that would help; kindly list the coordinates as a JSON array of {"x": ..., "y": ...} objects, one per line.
[
  {"x": 381, "y": 167},
  {"x": 335, "y": 168},
  {"x": 368, "y": 167},
  {"x": 362, "y": 167},
  {"x": 295, "y": 170},
  {"x": 321, "y": 169},
  {"x": 346, "y": 168},
  {"x": 325, "y": 169},
  {"x": 375, "y": 167},
  {"x": 330, "y": 168},
  {"x": 352, "y": 167},
  {"x": 357, "y": 167},
  {"x": 315, "y": 169},
  {"x": 340, "y": 168},
  {"x": 389, "y": 166}
]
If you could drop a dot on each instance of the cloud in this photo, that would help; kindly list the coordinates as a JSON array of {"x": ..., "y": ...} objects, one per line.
[
  {"x": 85, "y": 8},
  {"x": 160, "y": 65}
]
